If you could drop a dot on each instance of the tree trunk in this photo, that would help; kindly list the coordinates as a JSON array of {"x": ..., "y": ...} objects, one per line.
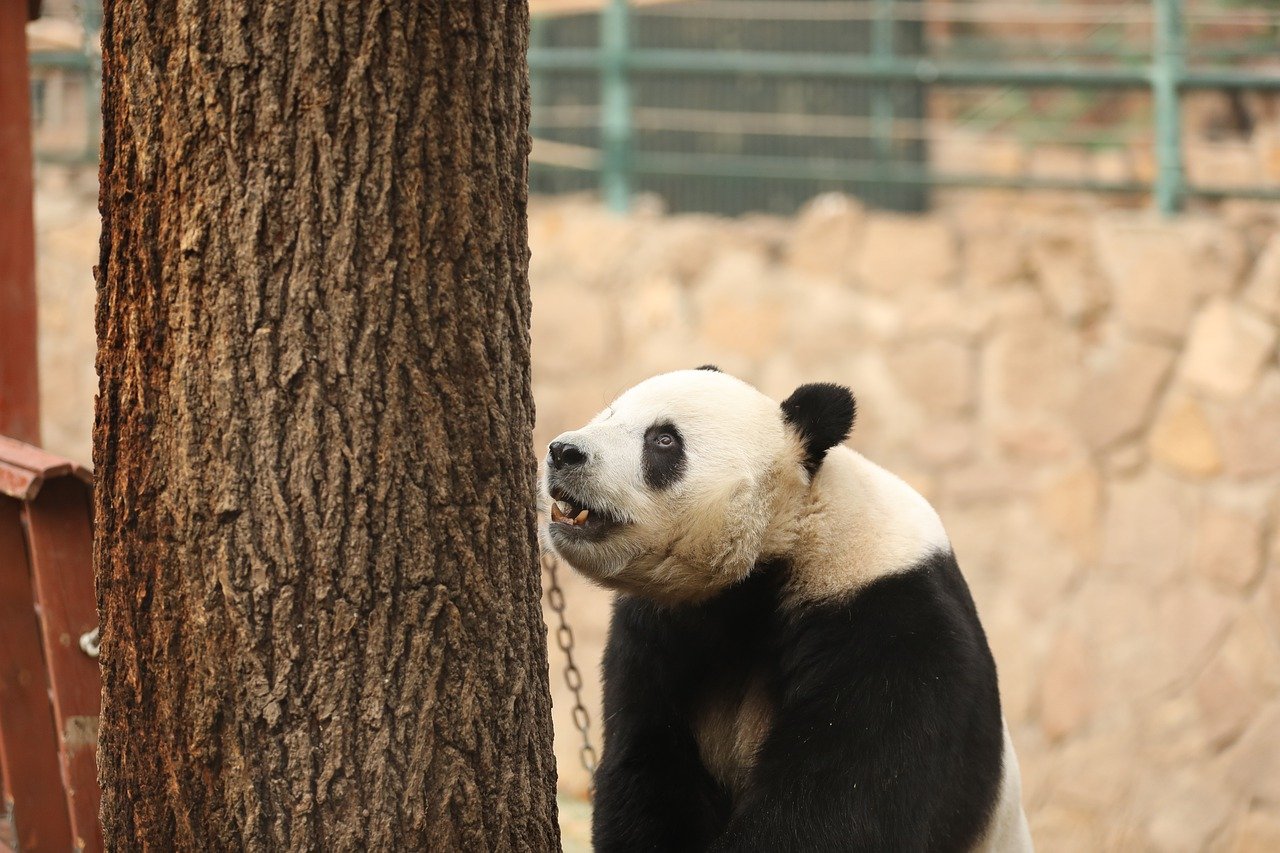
[{"x": 315, "y": 483}]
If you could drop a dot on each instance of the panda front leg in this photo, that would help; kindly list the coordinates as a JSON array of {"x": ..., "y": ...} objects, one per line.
[
  {"x": 887, "y": 733},
  {"x": 817, "y": 792},
  {"x": 652, "y": 792}
]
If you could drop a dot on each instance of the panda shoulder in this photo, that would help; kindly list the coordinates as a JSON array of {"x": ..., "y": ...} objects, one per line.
[{"x": 863, "y": 523}]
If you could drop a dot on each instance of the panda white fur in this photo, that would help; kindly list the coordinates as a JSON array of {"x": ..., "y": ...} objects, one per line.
[{"x": 794, "y": 660}]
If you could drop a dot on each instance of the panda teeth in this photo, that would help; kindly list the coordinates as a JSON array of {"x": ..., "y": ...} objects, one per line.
[{"x": 562, "y": 511}]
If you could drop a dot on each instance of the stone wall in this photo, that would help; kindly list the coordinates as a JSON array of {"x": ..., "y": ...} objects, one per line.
[
  {"x": 67, "y": 228},
  {"x": 1092, "y": 402}
]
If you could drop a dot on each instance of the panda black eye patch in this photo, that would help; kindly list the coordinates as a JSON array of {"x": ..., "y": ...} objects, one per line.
[{"x": 662, "y": 459}]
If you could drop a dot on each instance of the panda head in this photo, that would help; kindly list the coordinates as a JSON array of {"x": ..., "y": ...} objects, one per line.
[{"x": 677, "y": 489}]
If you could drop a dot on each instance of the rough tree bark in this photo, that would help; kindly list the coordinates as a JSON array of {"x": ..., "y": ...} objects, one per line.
[{"x": 315, "y": 484}]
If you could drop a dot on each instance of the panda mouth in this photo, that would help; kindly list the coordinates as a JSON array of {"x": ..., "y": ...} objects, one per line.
[{"x": 569, "y": 512}]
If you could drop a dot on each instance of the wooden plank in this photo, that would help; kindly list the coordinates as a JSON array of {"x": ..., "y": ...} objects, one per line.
[
  {"x": 19, "y": 397},
  {"x": 60, "y": 539},
  {"x": 28, "y": 738}
]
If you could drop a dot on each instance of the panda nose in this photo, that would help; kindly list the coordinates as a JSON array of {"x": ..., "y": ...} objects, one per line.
[{"x": 565, "y": 455}]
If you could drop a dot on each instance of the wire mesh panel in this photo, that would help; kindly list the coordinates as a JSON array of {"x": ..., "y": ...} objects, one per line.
[
  {"x": 1232, "y": 146},
  {"x": 66, "y": 78},
  {"x": 566, "y": 111},
  {"x": 733, "y": 105},
  {"x": 693, "y": 137},
  {"x": 689, "y": 128}
]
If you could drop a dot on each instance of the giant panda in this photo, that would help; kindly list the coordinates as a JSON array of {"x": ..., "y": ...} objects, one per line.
[{"x": 794, "y": 662}]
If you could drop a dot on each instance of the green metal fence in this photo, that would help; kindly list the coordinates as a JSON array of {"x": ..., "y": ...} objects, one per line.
[
  {"x": 1161, "y": 68},
  {"x": 697, "y": 101}
]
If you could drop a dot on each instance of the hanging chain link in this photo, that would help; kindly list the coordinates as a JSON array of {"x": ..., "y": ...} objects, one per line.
[{"x": 572, "y": 675}]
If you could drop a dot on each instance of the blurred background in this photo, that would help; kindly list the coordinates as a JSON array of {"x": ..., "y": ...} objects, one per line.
[{"x": 1038, "y": 238}]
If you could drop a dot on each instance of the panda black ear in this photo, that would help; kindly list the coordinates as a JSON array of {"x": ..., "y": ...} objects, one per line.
[
  {"x": 822, "y": 415},
  {"x": 710, "y": 367}
]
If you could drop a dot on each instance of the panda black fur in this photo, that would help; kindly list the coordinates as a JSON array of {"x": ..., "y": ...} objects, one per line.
[{"x": 794, "y": 660}]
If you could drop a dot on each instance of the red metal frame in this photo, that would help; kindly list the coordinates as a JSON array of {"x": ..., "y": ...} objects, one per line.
[
  {"x": 19, "y": 392},
  {"x": 28, "y": 740},
  {"x": 60, "y": 543},
  {"x": 49, "y": 688}
]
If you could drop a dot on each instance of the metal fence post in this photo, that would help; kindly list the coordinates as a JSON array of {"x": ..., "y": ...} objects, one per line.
[
  {"x": 881, "y": 97},
  {"x": 1166, "y": 80},
  {"x": 615, "y": 97}
]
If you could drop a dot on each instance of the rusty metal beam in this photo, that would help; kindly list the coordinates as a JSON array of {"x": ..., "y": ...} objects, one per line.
[
  {"x": 28, "y": 739},
  {"x": 19, "y": 391},
  {"x": 49, "y": 688},
  {"x": 24, "y": 469},
  {"x": 60, "y": 544}
]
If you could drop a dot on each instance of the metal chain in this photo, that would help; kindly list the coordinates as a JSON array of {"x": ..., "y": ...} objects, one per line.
[{"x": 572, "y": 675}]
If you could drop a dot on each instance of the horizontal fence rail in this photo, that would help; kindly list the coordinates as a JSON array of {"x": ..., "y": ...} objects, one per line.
[{"x": 871, "y": 69}]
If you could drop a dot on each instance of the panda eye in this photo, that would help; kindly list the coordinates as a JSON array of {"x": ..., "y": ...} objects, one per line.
[{"x": 662, "y": 437}]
